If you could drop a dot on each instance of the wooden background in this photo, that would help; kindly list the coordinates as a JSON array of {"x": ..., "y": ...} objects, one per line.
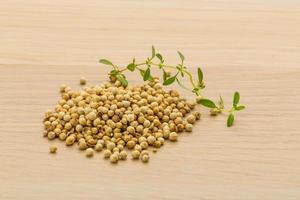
[{"x": 250, "y": 46}]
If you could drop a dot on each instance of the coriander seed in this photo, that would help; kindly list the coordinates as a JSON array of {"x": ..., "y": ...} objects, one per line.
[
  {"x": 173, "y": 136},
  {"x": 151, "y": 140},
  {"x": 82, "y": 81},
  {"x": 82, "y": 145},
  {"x": 135, "y": 154},
  {"x": 89, "y": 152},
  {"x": 98, "y": 147},
  {"x": 70, "y": 140},
  {"x": 123, "y": 155},
  {"x": 145, "y": 158},
  {"x": 51, "y": 135},
  {"x": 114, "y": 158},
  {"x": 52, "y": 149},
  {"x": 107, "y": 153},
  {"x": 189, "y": 127},
  {"x": 191, "y": 119}
]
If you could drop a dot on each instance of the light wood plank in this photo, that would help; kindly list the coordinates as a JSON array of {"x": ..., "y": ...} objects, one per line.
[{"x": 250, "y": 46}]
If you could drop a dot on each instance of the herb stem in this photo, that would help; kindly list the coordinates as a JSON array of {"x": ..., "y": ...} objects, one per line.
[
  {"x": 140, "y": 64},
  {"x": 191, "y": 78}
]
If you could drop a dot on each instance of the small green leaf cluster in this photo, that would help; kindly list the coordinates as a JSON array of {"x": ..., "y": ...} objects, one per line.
[
  {"x": 217, "y": 108},
  {"x": 115, "y": 73},
  {"x": 177, "y": 73},
  {"x": 235, "y": 107}
]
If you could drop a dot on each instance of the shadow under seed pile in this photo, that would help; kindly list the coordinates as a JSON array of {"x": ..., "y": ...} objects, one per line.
[{"x": 111, "y": 118}]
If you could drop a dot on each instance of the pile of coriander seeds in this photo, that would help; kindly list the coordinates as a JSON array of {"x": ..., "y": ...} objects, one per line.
[{"x": 116, "y": 119}]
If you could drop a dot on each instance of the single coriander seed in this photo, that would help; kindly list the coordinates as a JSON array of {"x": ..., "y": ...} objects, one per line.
[
  {"x": 98, "y": 147},
  {"x": 173, "y": 136},
  {"x": 191, "y": 119},
  {"x": 82, "y": 81},
  {"x": 114, "y": 158},
  {"x": 89, "y": 152},
  {"x": 151, "y": 140},
  {"x": 82, "y": 145},
  {"x": 189, "y": 127},
  {"x": 135, "y": 154},
  {"x": 51, "y": 135},
  {"x": 52, "y": 149},
  {"x": 145, "y": 158},
  {"x": 70, "y": 140},
  {"x": 197, "y": 115},
  {"x": 123, "y": 155},
  {"x": 107, "y": 153},
  {"x": 144, "y": 145}
]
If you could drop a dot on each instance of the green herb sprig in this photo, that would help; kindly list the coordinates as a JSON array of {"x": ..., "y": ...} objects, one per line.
[{"x": 172, "y": 73}]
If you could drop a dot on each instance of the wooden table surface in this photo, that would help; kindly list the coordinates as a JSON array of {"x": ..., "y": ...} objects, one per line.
[{"x": 249, "y": 46}]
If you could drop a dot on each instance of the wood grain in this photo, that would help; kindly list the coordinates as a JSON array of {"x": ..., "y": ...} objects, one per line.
[{"x": 250, "y": 46}]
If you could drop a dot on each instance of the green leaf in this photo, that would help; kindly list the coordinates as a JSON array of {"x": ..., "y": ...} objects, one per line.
[
  {"x": 181, "y": 56},
  {"x": 131, "y": 67},
  {"x": 153, "y": 52},
  {"x": 159, "y": 56},
  {"x": 200, "y": 76},
  {"x": 105, "y": 62},
  {"x": 236, "y": 98},
  {"x": 142, "y": 72},
  {"x": 164, "y": 75},
  {"x": 221, "y": 102},
  {"x": 230, "y": 120},
  {"x": 147, "y": 74},
  {"x": 207, "y": 103},
  {"x": 238, "y": 108},
  {"x": 196, "y": 91},
  {"x": 122, "y": 79},
  {"x": 170, "y": 80},
  {"x": 113, "y": 72}
]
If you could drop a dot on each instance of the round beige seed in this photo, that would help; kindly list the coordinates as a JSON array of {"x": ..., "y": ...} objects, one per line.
[
  {"x": 116, "y": 150},
  {"x": 62, "y": 136},
  {"x": 135, "y": 154},
  {"x": 82, "y": 145},
  {"x": 146, "y": 123},
  {"x": 52, "y": 149},
  {"x": 98, "y": 147},
  {"x": 145, "y": 158},
  {"x": 62, "y": 88},
  {"x": 91, "y": 116},
  {"x": 138, "y": 147},
  {"x": 189, "y": 127},
  {"x": 144, "y": 152},
  {"x": 51, "y": 135},
  {"x": 89, "y": 152},
  {"x": 144, "y": 145},
  {"x": 107, "y": 153},
  {"x": 70, "y": 140},
  {"x": 151, "y": 140},
  {"x": 191, "y": 119},
  {"x": 110, "y": 146},
  {"x": 130, "y": 144},
  {"x": 197, "y": 115},
  {"x": 123, "y": 155},
  {"x": 114, "y": 158},
  {"x": 82, "y": 81},
  {"x": 173, "y": 136}
]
